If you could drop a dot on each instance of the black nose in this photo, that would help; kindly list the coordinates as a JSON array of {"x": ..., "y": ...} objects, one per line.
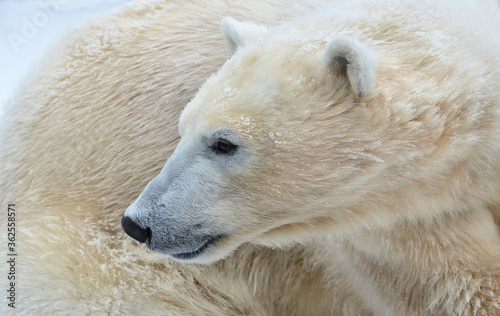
[{"x": 134, "y": 230}]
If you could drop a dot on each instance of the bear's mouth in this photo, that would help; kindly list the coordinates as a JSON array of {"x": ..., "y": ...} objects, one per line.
[{"x": 198, "y": 251}]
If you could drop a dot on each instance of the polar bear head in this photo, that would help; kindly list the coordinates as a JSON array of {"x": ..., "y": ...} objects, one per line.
[{"x": 293, "y": 137}]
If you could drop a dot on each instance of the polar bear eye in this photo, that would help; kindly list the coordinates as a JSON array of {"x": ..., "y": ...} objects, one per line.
[{"x": 223, "y": 147}]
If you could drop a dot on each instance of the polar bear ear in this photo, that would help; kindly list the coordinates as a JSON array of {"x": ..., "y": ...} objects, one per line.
[
  {"x": 238, "y": 34},
  {"x": 360, "y": 62}
]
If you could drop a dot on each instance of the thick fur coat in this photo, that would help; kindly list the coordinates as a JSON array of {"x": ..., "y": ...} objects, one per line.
[{"x": 383, "y": 199}]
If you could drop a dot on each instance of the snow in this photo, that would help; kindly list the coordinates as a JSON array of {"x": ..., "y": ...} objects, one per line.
[{"x": 29, "y": 28}]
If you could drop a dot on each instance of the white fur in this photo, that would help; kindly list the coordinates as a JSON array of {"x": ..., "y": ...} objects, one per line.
[
  {"x": 396, "y": 170},
  {"x": 384, "y": 204},
  {"x": 360, "y": 61},
  {"x": 238, "y": 33},
  {"x": 89, "y": 128}
]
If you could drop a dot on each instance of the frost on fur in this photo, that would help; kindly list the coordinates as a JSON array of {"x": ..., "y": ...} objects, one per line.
[
  {"x": 359, "y": 60},
  {"x": 238, "y": 34},
  {"x": 325, "y": 208}
]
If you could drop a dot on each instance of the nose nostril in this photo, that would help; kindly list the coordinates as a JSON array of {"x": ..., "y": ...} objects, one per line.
[{"x": 135, "y": 231}]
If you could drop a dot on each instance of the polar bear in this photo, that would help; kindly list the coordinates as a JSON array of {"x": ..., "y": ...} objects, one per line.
[
  {"x": 97, "y": 120},
  {"x": 90, "y": 127},
  {"x": 369, "y": 135}
]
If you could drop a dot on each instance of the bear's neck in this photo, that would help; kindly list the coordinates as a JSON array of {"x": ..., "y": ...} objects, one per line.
[{"x": 416, "y": 268}]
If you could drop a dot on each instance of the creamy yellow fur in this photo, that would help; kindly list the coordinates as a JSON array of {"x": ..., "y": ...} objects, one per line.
[
  {"x": 98, "y": 120},
  {"x": 406, "y": 176},
  {"x": 91, "y": 126}
]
